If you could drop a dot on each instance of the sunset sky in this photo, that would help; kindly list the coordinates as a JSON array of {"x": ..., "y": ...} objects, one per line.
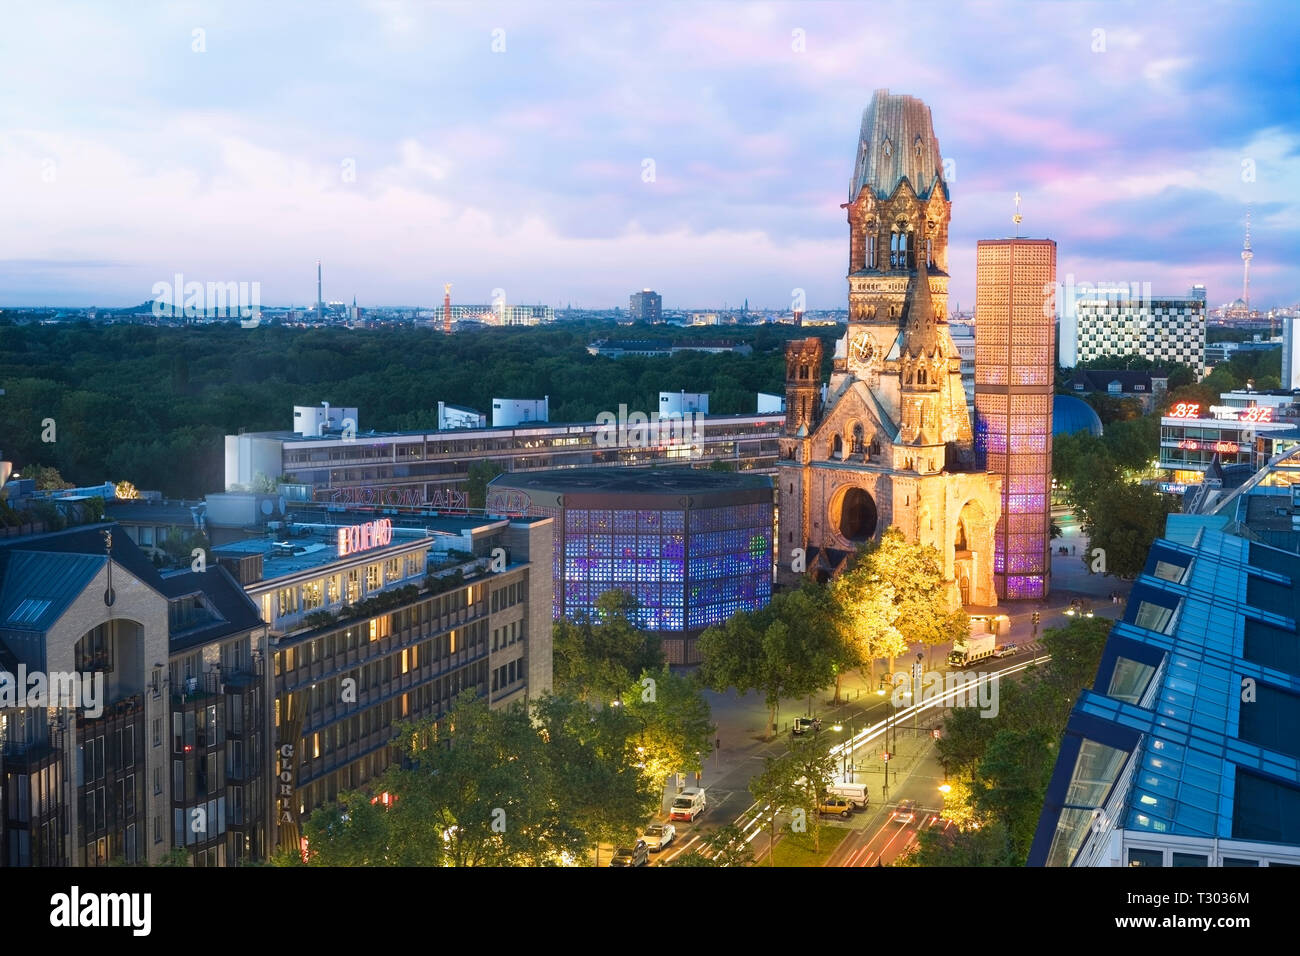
[{"x": 127, "y": 155}]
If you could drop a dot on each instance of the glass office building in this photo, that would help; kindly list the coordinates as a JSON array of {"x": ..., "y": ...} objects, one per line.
[
  {"x": 1184, "y": 751},
  {"x": 693, "y": 547}
]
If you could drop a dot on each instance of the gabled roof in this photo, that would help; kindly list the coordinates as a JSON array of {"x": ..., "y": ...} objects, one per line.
[{"x": 36, "y": 588}]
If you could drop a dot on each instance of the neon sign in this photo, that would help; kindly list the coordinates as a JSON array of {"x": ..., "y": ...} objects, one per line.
[
  {"x": 1185, "y": 410},
  {"x": 363, "y": 537},
  {"x": 1223, "y": 447},
  {"x": 1257, "y": 413}
]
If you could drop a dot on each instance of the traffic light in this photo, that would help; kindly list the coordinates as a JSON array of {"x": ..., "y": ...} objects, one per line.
[{"x": 936, "y": 733}]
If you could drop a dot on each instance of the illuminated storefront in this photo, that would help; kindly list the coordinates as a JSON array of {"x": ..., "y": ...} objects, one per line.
[
  {"x": 693, "y": 547},
  {"x": 1192, "y": 434}
]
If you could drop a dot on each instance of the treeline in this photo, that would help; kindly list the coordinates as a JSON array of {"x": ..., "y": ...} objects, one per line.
[{"x": 151, "y": 404}]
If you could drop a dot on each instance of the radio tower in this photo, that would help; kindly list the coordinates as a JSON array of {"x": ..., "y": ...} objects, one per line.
[
  {"x": 1246, "y": 256},
  {"x": 446, "y": 308}
]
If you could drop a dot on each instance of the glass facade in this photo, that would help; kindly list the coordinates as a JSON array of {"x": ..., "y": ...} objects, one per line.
[
  {"x": 688, "y": 569},
  {"x": 1014, "y": 369}
]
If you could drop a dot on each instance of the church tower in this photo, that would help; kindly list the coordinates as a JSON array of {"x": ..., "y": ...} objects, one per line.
[{"x": 892, "y": 444}]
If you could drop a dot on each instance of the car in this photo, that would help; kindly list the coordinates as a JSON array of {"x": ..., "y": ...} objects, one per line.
[
  {"x": 855, "y": 793},
  {"x": 1004, "y": 650},
  {"x": 905, "y": 812},
  {"x": 834, "y": 806},
  {"x": 805, "y": 725},
  {"x": 659, "y": 835},
  {"x": 635, "y": 855},
  {"x": 688, "y": 804}
]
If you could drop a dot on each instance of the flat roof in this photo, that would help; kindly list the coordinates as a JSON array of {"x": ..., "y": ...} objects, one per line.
[
  {"x": 531, "y": 427},
  {"x": 319, "y": 549},
  {"x": 652, "y": 481}
]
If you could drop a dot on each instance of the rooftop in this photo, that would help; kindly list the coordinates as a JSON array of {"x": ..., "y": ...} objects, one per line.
[{"x": 669, "y": 480}]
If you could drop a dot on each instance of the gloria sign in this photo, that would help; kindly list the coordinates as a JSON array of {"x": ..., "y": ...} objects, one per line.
[{"x": 363, "y": 537}]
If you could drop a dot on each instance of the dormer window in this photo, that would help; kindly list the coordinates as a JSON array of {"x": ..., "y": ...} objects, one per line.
[
  {"x": 888, "y": 148},
  {"x": 917, "y": 147}
]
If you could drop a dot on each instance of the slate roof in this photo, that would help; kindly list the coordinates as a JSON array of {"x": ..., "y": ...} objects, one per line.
[{"x": 893, "y": 126}]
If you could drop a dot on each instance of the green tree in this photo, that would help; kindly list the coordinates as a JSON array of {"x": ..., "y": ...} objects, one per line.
[
  {"x": 893, "y": 596},
  {"x": 476, "y": 482},
  {"x": 1124, "y": 524},
  {"x": 599, "y": 656},
  {"x": 675, "y": 732},
  {"x": 814, "y": 767},
  {"x": 781, "y": 650},
  {"x": 604, "y": 793},
  {"x": 776, "y": 789},
  {"x": 46, "y": 478},
  {"x": 351, "y": 832}
]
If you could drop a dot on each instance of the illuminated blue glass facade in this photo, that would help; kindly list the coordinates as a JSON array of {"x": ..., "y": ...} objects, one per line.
[
  {"x": 1185, "y": 748},
  {"x": 691, "y": 560}
]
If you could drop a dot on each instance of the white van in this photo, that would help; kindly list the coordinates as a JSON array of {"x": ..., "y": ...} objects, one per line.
[
  {"x": 855, "y": 793},
  {"x": 688, "y": 804}
]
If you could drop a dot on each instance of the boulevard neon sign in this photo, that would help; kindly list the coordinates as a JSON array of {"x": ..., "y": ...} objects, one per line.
[{"x": 363, "y": 537}]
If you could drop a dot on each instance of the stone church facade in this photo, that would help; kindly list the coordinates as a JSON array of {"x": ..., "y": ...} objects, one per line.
[{"x": 888, "y": 441}]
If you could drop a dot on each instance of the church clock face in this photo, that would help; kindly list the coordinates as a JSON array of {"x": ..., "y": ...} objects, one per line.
[{"x": 862, "y": 348}]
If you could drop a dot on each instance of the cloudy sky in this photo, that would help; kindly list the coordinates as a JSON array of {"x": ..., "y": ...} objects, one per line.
[{"x": 573, "y": 152}]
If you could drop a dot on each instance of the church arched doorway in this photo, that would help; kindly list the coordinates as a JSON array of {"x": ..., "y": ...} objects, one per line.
[{"x": 855, "y": 515}]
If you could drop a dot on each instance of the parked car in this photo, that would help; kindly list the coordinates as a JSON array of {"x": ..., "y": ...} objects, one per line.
[
  {"x": 806, "y": 725},
  {"x": 855, "y": 793},
  {"x": 688, "y": 804},
  {"x": 905, "y": 812},
  {"x": 1005, "y": 650},
  {"x": 636, "y": 855},
  {"x": 659, "y": 835},
  {"x": 835, "y": 806}
]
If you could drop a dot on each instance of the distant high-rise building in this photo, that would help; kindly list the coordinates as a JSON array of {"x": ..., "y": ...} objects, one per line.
[
  {"x": 1291, "y": 351},
  {"x": 320, "y": 297},
  {"x": 1120, "y": 323},
  {"x": 645, "y": 306},
  {"x": 1197, "y": 292},
  {"x": 1014, "y": 380}
]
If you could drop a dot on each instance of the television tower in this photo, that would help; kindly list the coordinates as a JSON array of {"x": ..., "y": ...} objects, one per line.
[
  {"x": 1246, "y": 256},
  {"x": 320, "y": 299},
  {"x": 446, "y": 308}
]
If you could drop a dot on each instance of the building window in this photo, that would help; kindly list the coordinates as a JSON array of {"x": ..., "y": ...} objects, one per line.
[
  {"x": 1146, "y": 857},
  {"x": 1190, "y": 859}
]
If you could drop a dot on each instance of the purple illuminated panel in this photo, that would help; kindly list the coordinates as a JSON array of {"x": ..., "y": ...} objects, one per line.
[{"x": 645, "y": 553}]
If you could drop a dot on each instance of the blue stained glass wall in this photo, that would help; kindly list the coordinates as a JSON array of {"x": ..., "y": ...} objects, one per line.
[{"x": 684, "y": 578}]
